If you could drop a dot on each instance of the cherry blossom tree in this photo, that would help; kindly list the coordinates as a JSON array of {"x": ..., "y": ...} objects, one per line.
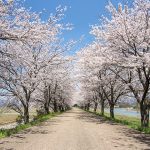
[
  {"x": 55, "y": 89},
  {"x": 99, "y": 83},
  {"x": 126, "y": 38},
  {"x": 87, "y": 69},
  {"x": 29, "y": 46}
]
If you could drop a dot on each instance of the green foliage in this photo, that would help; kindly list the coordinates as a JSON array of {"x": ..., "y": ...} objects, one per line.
[
  {"x": 131, "y": 122},
  {"x": 36, "y": 121}
]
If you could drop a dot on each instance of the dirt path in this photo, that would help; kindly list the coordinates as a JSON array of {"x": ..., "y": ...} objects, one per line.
[{"x": 77, "y": 130}]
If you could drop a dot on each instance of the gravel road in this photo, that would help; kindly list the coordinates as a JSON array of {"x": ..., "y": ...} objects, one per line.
[{"x": 77, "y": 130}]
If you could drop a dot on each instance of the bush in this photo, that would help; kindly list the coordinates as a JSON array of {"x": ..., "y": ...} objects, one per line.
[
  {"x": 19, "y": 119},
  {"x": 40, "y": 112}
]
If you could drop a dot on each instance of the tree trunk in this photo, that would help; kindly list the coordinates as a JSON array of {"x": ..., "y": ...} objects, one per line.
[
  {"x": 46, "y": 107},
  {"x": 144, "y": 110},
  {"x": 55, "y": 106},
  {"x": 102, "y": 107},
  {"x": 112, "y": 111},
  {"x": 26, "y": 115},
  {"x": 95, "y": 107},
  {"x": 59, "y": 107},
  {"x": 88, "y": 106},
  {"x": 62, "y": 108}
]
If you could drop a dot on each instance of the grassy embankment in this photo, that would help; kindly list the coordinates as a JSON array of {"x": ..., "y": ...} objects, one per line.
[
  {"x": 131, "y": 122},
  {"x": 37, "y": 120}
]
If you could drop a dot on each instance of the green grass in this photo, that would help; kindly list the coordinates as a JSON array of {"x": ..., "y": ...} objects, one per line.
[
  {"x": 38, "y": 120},
  {"x": 131, "y": 122}
]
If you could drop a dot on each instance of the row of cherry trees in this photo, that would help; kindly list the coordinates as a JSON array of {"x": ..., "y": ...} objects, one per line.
[
  {"x": 117, "y": 64},
  {"x": 34, "y": 70}
]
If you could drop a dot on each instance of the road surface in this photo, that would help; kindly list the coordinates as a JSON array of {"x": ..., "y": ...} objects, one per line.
[{"x": 77, "y": 130}]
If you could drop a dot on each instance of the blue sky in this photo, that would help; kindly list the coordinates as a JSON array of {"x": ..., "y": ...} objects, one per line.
[{"x": 81, "y": 13}]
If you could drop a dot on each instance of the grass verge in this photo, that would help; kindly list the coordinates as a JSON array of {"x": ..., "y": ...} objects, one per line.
[
  {"x": 38, "y": 120},
  {"x": 131, "y": 122}
]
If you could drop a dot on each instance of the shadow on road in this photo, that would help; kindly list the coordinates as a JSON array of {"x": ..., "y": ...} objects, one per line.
[
  {"x": 92, "y": 118},
  {"x": 89, "y": 117},
  {"x": 36, "y": 131}
]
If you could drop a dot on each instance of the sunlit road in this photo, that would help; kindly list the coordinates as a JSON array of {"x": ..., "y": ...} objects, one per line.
[{"x": 77, "y": 130}]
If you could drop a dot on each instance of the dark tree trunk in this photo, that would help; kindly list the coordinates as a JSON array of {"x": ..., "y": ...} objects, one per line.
[
  {"x": 95, "y": 107},
  {"x": 59, "y": 107},
  {"x": 88, "y": 106},
  {"x": 144, "y": 110},
  {"x": 46, "y": 107},
  {"x": 46, "y": 98},
  {"x": 112, "y": 111},
  {"x": 26, "y": 115},
  {"x": 102, "y": 107},
  {"x": 62, "y": 108},
  {"x": 55, "y": 106}
]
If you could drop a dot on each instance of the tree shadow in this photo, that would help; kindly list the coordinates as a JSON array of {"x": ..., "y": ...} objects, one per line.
[
  {"x": 123, "y": 129},
  {"x": 2, "y": 148},
  {"x": 90, "y": 117},
  {"x": 35, "y": 131},
  {"x": 140, "y": 137},
  {"x": 22, "y": 136}
]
